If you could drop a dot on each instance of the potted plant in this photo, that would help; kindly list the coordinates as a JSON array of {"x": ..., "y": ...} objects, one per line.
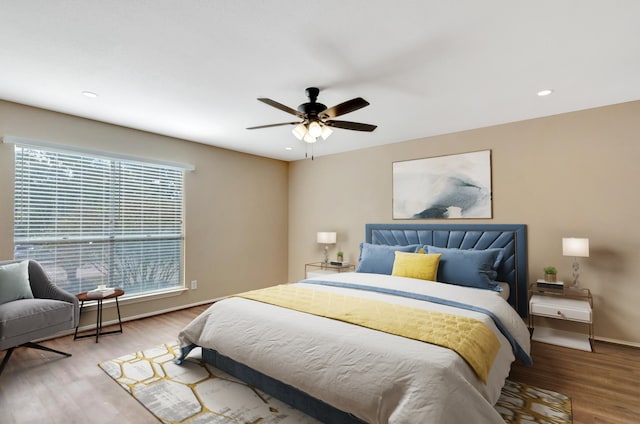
[
  {"x": 550, "y": 273},
  {"x": 340, "y": 256}
]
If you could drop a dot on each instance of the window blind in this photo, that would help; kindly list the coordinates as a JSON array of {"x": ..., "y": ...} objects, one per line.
[{"x": 91, "y": 219}]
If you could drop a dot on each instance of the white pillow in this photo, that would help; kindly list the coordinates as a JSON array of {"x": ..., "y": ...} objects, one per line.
[{"x": 14, "y": 282}]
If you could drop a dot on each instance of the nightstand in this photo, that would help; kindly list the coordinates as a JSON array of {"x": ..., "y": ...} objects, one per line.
[
  {"x": 318, "y": 269},
  {"x": 566, "y": 304}
]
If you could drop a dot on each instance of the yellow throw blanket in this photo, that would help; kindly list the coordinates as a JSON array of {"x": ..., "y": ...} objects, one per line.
[{"x": 470, "y": 338}]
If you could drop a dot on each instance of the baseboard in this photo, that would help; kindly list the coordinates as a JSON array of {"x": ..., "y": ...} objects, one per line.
[
  {"x": 618, "y": 342},
  {"x": 131, "y": 318},
  {"x": 163, "y": 311}
]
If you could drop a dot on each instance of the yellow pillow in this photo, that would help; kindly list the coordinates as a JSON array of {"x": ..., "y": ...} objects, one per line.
[{"x": 416, "y": 265}]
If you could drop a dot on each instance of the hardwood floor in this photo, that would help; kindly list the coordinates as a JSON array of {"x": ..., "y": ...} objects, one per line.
[
  {"x": 604, "y": 385},
  {"x": 39, "y": 387},
  {"x": 42, "y": 387}
]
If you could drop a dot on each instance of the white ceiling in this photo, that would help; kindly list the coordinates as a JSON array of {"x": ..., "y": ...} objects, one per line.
[{"x": 193, "y": 68}]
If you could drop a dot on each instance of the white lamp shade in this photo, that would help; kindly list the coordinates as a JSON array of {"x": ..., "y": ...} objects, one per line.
[
  {"x": 326, "y": 132},
  {"x": 325, "y": 237},
  {"x": 315, "y": 129},
  {"x": 299, "y": 131},
  {"x": 572, "y": 246},
  {"x": 311, "y": 132},
  {"x": 308, "y": 139}
]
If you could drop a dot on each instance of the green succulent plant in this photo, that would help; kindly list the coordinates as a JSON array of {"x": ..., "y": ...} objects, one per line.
[{"x": 550, "y": 270}]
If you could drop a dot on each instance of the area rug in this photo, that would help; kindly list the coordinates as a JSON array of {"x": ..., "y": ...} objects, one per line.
[{"x": 196, "y": 393}]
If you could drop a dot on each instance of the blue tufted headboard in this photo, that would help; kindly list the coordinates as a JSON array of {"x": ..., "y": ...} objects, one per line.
[{"x": 510, "y": 237}]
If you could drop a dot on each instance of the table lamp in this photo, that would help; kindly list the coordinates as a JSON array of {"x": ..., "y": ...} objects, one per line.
[
  {"x": 326, "y": 238},
  {"x": 576, "y": 247}
]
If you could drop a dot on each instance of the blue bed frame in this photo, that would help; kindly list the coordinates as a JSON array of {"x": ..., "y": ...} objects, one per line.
[{"x": 511, "y": 238}]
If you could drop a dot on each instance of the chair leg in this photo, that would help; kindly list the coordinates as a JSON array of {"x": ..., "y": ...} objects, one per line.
[
  {"x": 31, "y": 345},
  {"x": 48, "y": 349},
  {"x": 6, "y": 358}
]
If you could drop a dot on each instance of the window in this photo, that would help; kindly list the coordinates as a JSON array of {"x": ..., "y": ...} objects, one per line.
[{"x": 91, "y": 219}]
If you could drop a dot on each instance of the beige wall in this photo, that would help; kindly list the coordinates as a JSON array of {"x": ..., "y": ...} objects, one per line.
[
  {"x": 565, "y": 175},
  {"x": 574, "y": 174},
  {"x": 236, "y": 214}
]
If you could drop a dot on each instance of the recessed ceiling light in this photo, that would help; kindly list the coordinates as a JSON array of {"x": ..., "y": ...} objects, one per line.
[
  {"x": 288, "y": 148},
  {"x": 546, "y": 92},
  {"x": 90, "y": 94}
]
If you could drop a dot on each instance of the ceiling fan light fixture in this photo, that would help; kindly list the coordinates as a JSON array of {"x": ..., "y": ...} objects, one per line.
[
  {"x": 315, "y": 130},
  {"x": 326, "y": 132},
  {"x": 308, "y": 138},
  {"x": 317, "y": 119},
  {"x": 299, "y": 131}
]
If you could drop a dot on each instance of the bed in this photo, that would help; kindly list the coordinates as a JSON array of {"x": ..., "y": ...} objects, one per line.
[{"x": 340, "y": 372}]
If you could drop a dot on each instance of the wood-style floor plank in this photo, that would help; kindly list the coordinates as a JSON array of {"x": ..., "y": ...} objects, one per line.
[
  {"x": 39, "y": 386},
  {"x": 604, "y": 385}
]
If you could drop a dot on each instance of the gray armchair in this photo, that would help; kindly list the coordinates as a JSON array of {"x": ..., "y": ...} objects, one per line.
[{"x": 50, "y": 311}]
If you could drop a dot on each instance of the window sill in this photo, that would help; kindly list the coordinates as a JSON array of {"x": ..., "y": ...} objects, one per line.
[
  {"x": 138, "y": 298},
  {"x": 143, "y": 297}
]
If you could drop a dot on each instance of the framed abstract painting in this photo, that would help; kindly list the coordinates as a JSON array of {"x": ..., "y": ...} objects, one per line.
[{"x": 444, "y": 187}]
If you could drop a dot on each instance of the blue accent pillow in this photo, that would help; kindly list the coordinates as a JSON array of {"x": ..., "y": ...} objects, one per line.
[
  {"x": 498, "y": 261},
  {"x": 378, "y": 258},
  {"x": 14, "y": 282},
  {"x": 467, "y": 267},
  {"x": 496, "y": 264}
]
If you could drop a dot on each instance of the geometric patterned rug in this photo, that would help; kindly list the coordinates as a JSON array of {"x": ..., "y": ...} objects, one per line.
[
  {"x": 522, "y": 403},
  {"x": 196, "y": 393}
]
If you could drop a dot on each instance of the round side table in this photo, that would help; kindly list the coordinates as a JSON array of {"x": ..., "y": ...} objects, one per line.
[{"x": 86, "y": 297}]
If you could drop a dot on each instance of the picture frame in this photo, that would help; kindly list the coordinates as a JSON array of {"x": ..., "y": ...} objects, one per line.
[{"x": 443, "y": 187}]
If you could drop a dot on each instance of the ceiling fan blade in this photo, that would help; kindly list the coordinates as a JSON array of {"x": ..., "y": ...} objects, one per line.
[
  {"x": 273, "y": 125},
  {"x": 344, "y": 108},
  {"x": 280, "y": 106},
  {"x": 356, "y": 126}
]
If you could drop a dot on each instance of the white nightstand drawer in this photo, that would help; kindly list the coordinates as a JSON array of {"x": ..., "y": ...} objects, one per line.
[{"x": 560, "y": 307}]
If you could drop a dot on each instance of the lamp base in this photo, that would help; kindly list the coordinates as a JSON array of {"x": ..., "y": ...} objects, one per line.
[{"x": 575, "y": 286}]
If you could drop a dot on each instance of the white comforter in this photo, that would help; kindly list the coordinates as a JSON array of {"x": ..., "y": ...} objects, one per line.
[{"x": 378, "y": 377}]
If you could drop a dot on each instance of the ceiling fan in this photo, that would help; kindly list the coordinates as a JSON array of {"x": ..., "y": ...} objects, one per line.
[{"x": 317, "y": 118}]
